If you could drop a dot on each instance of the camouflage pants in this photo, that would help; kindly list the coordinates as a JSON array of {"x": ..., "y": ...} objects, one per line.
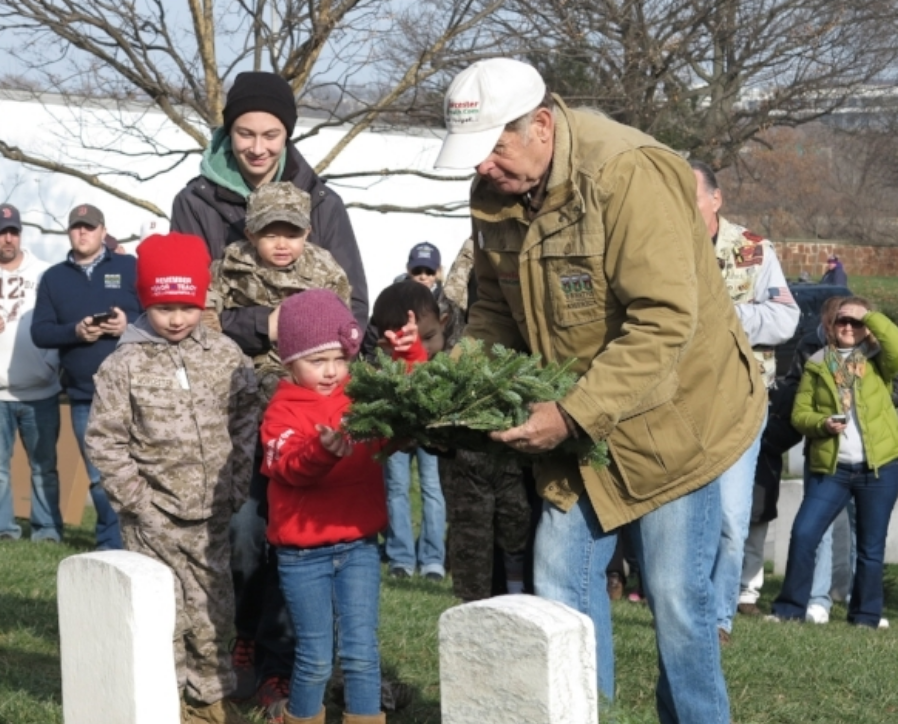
[
  {"x": 198, "y": 553},
  {"x": 485, "y": 502}
]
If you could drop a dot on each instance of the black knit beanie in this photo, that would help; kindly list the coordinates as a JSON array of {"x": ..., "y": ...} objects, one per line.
[{"x": 267, "y": 92}]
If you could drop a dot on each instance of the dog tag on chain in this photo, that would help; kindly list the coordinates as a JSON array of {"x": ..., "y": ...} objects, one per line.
[{"x": 181, "y": 374}]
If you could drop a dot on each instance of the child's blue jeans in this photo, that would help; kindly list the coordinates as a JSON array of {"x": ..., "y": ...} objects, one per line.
[{"x": 327, "y": 588}]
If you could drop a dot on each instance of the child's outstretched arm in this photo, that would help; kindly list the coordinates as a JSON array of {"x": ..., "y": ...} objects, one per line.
[
  {"x": 295, "y": 454},
  {"x": 406, "y": 344}
]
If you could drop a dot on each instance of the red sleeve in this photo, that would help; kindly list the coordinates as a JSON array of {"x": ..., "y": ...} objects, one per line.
[
  {"x": 414, "y": 354},
  {"x": 293, "y": 455}
]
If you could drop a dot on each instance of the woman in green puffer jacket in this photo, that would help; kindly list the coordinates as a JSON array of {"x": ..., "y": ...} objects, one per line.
[{"x": 844, "y": 407}]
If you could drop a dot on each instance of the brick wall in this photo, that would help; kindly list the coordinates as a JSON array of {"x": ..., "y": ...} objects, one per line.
[{"x": 810, "y": 256}]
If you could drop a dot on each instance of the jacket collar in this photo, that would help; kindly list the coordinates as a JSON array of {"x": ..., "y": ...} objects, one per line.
[
  {"x": 104, "y": 256},
  {"x": 296, "y": 170},
  {"x": 141, "y": 332}
]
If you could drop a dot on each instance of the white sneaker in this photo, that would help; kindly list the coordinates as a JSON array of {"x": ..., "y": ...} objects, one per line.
[
  {"x": 816, "y": 614},
  {"x": 883, "y": 623}
]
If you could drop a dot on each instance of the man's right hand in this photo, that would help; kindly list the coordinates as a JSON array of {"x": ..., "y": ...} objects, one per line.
[{"x": 87, "y": 332}]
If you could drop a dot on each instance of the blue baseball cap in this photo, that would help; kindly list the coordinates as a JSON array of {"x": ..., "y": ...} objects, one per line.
[{"x": 424, "y": 254}]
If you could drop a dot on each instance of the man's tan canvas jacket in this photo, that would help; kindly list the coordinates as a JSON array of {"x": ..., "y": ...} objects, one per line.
[{"x": 617, "y": 270}]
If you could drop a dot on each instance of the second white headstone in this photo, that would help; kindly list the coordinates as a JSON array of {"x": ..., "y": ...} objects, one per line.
[{"x": 518, "y": 659}]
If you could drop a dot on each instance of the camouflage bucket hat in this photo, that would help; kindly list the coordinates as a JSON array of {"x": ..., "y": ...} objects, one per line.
[{"x": 280, "y": 201}]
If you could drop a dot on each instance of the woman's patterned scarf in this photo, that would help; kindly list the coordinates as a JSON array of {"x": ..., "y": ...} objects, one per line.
[{"x": 846, "y": 370}]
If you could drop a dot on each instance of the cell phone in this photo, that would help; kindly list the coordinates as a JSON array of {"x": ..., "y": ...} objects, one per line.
[
  {"x": 98, "y": 319},
  {"x": 773, "y": 292},
  {"x": 841, "y": 419}
]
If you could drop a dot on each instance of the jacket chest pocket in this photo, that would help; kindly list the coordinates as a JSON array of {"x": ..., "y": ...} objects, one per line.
[
  {"x": 502, "y": 244},
  {"x": 158, "y": 414},
  {"x": 575, "y": 279}
]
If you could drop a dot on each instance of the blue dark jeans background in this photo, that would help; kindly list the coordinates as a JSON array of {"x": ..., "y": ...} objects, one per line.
[
  {"x": 430, "y": 551},
  {"x": 109, "y": 536},
  {"x": 37, "y": 422},
  {"x": 261, "y": 614},
  {"x": 825, "y": 496}
]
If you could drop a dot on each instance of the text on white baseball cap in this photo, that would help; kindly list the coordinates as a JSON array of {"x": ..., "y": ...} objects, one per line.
[{"x": 480, "y": 102}]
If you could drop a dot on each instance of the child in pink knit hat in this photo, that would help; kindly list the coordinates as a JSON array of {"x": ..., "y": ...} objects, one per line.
[{"x": 326, "y": 506}]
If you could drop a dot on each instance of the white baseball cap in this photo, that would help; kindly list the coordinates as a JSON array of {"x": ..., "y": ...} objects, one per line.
[
  {"x": 480, "y": 102},
  {"x": 153, "y": 226}
]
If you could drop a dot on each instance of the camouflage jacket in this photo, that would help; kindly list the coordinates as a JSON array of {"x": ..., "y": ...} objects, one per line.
[
  {"x": 456, "y": 285},
  {"x": 174, "y": 425},
  {"x": 240, "y": 280},
  {"x": 750, "y": 270}
]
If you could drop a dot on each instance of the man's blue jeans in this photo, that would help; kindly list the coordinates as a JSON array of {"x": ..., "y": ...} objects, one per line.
[
  {"x": 430, "y": 552},
  {"x": 336, "y": 585},
  {"x": 109, "y": 536},
  {"x": 38, "y": 424},
  {"x": 825, "y": 496},
  {"x": 676, "y": 545},
  {"x": 736, "y": 489}
]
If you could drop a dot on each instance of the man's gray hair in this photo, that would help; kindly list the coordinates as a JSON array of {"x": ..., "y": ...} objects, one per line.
[{"x": 521, "y": 125}]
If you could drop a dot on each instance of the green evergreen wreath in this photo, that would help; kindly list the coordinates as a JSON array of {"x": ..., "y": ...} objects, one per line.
[{"x": 454, "y": 403}]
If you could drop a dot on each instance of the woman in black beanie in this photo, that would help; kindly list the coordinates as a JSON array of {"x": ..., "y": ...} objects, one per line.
[{"x": 251, "y": 148}]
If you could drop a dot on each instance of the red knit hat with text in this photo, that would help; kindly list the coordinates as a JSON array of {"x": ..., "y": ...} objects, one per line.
[
  {"x": 314, "y": 321},
  {"x": 173, "y": 269}
]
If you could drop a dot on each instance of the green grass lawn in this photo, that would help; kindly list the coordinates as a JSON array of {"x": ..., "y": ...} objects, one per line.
[{"x": 777, "y": 673}]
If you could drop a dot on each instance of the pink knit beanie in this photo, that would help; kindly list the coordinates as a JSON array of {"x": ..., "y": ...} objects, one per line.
[{"x": 314, "y": 321}]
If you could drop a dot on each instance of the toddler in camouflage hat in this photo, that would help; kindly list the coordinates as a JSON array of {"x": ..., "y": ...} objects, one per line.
[{"x": 274, "y": 262}]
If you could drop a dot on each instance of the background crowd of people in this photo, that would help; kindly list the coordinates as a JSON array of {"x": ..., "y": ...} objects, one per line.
[{"x": 249, "y": 311}]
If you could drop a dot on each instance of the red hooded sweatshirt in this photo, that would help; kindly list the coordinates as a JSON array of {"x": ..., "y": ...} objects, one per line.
[{"x": 314, "y": 497}]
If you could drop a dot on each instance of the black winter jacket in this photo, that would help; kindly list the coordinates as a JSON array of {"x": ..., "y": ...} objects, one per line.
[{"x": 218, "y": 215}]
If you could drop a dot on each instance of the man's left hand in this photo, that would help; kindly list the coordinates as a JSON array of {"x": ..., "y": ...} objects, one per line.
[
  {"x": 115, "y": 327},
  {"x": 544, "y": 430}
]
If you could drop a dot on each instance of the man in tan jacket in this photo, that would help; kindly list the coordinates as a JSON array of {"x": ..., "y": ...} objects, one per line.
[{"x": 588, "y": 245}]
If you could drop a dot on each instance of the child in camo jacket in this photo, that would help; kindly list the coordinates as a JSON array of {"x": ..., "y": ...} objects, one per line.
[{"x": 172, "y": 431}]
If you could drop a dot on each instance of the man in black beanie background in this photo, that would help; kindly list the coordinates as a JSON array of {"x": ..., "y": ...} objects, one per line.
[{"x": 252, "y": 148}]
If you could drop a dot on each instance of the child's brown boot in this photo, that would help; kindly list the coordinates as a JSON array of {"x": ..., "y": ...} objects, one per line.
[
  {"x": 369, "y": 719},
  {"x": 317, "y": 719}
]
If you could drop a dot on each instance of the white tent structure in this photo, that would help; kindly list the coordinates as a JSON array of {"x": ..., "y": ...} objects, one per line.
[{"x": 92, "y": 136}]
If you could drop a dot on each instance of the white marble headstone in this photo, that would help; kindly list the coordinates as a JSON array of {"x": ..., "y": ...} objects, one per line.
[
  {"x": 116, "y": 620},
  {"x": 519, "y": 659}
]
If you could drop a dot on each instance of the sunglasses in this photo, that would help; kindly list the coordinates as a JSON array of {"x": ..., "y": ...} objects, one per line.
[
  {"x": 419, "y": 270},
  {"x": 849, "y": 321}
]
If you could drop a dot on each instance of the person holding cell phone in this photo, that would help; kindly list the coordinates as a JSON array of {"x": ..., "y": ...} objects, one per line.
[
  {"x": 83, "y": 306},
  {"x": 844, "y": 407}
]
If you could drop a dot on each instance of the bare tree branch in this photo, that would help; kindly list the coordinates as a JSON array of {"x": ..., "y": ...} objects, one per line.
[{"x": 16, "y": 154}]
